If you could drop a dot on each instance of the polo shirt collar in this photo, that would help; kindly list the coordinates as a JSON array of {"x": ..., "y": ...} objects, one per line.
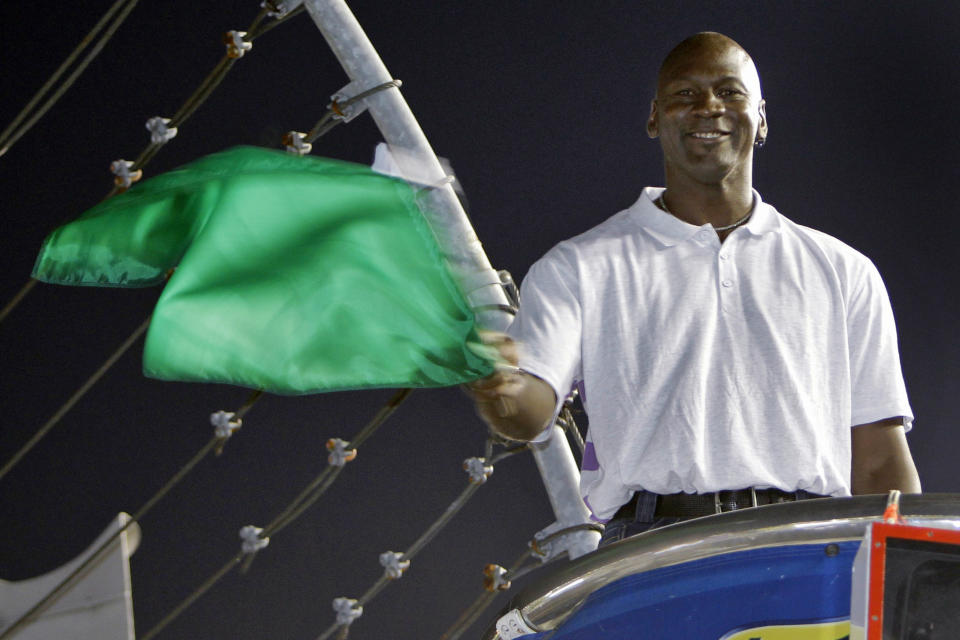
[
  {"x": 670, "y": 230},
  {"x": 765, "y": 218}
]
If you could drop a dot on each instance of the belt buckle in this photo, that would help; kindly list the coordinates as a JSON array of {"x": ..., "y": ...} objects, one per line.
[{"x": 718, "y": 505}]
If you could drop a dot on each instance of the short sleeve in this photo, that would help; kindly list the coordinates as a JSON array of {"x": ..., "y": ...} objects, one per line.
[
  {"x": 877, "y": 387},
  {"x": 549, "y": 322}
]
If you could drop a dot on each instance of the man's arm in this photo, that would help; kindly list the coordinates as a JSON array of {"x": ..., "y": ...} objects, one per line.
[
  {"x": 514, "y": 404},
  {"x": 881, "y": 459}
]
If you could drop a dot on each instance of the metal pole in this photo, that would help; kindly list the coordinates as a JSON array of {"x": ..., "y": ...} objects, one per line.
[
  {"x": 449, "y": 222},
  {"x": 400, "y": 129}
]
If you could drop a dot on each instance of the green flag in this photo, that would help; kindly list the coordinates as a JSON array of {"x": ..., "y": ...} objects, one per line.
[{"x": 293, "y": 275}]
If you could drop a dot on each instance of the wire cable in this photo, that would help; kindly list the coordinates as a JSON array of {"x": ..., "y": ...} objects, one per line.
[
  {"x": 517, "y": 570},
  {"x": 24, "y": 290},
  {"x": 299, "y": 504},
  {"x": 480, "y": 604},
  {"x": 67, "y": 582},
  {"x": 424, "y": 539},
  {"x": 276, "y": 23},
  {"x": 15, "y": 130},
  {"x": 334, "y": 114},
  {"x": 312, "y": 492},
  {"x": 79, "y": 393},
  {"x": 12, "y": 134}
]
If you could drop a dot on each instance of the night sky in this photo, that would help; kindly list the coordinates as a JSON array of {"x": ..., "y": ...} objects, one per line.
[{"x": 540, "y": 108}]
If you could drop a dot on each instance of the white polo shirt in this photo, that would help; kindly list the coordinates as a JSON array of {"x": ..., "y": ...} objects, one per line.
[{"x": 709, "y": 366}]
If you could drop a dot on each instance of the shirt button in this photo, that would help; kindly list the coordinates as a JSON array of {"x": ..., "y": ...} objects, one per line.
[
  {"x": 726, "y": 283},
  {"x": 724, "y": 256}
]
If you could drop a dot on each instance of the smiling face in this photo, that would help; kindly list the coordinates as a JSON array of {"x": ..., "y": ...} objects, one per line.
[{"x": 708, "y": 111}]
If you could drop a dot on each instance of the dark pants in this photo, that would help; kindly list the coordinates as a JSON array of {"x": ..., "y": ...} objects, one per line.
[{"x": 621, "y": 527}]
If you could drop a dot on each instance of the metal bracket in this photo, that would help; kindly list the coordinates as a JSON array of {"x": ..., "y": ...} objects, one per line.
[
  {"x": 549, "y": 549},
  {"x": 280, "y": 8},
  {"x": 512, "y": 625},
  {"x": 350, "y": 111},
  {"x": 575, "y": 542}
]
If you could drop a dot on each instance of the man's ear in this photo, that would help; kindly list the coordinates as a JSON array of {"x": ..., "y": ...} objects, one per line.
[
  {"x": 763, "y": 129},
  {"x": 653, "y": 128}
]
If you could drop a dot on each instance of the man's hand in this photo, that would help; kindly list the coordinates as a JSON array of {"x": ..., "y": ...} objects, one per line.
[{"x": 514, "y": 404}]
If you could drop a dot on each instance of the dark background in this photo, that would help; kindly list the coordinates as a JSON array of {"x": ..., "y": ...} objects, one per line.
[{"x": 540, "y": 107}]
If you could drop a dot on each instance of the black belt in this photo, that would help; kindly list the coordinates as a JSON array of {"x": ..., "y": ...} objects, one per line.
[{"x": 694, "y": 505}]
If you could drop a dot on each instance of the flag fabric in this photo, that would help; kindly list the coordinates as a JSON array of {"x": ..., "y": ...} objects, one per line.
[{"x": 292, "y": 274}]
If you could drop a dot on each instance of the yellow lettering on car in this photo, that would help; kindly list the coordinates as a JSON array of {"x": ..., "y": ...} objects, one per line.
[{"x": 814, "y": 631}]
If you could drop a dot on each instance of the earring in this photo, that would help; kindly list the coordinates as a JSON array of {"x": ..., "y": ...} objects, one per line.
[{"x": 759, "y": 141}]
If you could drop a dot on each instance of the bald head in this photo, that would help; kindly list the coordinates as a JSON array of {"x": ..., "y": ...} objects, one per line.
[
  {"x": 708, "y": 113},
  {"x": 708, "y": 45}
]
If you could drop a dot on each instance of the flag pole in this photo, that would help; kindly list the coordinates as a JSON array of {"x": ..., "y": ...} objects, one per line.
[{"x": 456, "y": 237}]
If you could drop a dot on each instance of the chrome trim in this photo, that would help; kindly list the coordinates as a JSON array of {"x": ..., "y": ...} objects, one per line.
[{"x": 547, "y": 602}]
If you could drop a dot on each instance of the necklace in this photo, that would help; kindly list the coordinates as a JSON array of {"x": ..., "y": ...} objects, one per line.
[{"x": 663, "y": 205}]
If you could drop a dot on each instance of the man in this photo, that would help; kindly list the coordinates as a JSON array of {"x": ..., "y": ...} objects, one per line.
[{"x": 728, "y": 356}]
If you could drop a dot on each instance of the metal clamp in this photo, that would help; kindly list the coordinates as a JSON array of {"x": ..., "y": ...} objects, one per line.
[{"x": 348, "y": 103}]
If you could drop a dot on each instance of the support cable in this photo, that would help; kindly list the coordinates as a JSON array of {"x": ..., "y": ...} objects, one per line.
[
  {"x": 478, "y": 470},
  {"x": 497, "y": 579},
  {"x": 321, "y": 483},
  {"x": 199, "y": 591},
  {"x": 16, "y": 129},
  {"x": 28, "y": 116},
  {"x": 566, "y": 421},
  {"x": 480, "y": 604},
  {"x": 202, "y": 92},
  {"x": 335, "y": 110},
  {"x": 207, "y": 86},
  {"x": 299, "y": 504},
  {"x": 215, "y": 77},
  {"x": 67, "y": 582},
  {"x": 24, "y": 290},
  {"x": 79, "y": 393},
  {"x": 276, "y": 23},
  {"x": 200, "y": 95},
  {"x": 442, "y": 521}
]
